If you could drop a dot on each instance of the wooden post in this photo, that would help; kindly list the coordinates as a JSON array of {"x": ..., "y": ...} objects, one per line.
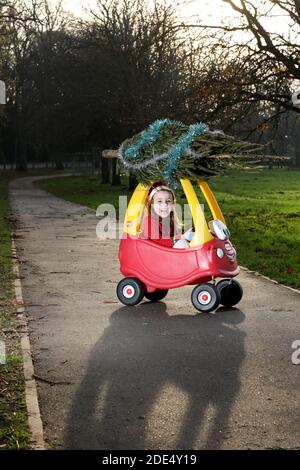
[
  {"x": 111, "y": 170},
  {"x": 105, "y": 171},
  {"x": 115, "y": 172},
  {"x": 108, "y": 153},
  {"x": 100, "y": 166},
  {"x": 107, "y": 166}
]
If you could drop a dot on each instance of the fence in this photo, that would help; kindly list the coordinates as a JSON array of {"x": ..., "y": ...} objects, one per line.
[
  {"x": 89, "y": 163},
  {"x": 86, "y": 161}
]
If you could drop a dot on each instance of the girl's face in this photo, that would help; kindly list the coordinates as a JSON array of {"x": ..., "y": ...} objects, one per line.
[{"x": 162, "y": 203}]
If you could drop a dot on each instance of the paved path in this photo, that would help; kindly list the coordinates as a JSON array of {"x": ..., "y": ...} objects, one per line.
[{"x": 155, "y": 376}]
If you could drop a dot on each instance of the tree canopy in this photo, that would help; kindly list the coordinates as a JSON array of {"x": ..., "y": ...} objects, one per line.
[{"x": 76, "y": 84}]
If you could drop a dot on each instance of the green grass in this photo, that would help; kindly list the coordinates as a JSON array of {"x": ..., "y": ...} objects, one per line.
[
  {"x": 261, "y": 207},
  {"x": 13, "y": 417},
  {"x": 87, "y": 191}
]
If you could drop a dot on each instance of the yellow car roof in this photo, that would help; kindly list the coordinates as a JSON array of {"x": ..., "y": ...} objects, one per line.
[{"x": 201, "y": 235}]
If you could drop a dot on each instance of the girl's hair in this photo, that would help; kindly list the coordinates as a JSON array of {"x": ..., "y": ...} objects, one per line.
[
  {"x": 160, "y": 188},
  {"x": 175, "y": 226}
]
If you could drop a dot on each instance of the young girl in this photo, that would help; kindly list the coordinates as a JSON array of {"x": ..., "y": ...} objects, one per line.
[{"x": 162, "y": 225}]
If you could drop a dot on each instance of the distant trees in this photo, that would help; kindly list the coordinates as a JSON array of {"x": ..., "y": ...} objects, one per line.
[
  {"x": 74, "y": 85},
  {"x": 273, "y": 57},
  {"x": 29, "y": 31},
  {"x": 257, "y": 65},
  {"x": 278, "y": 49}
]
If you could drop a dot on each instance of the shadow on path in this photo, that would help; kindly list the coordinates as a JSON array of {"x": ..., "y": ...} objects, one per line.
[{"x": 140, "y": 354}]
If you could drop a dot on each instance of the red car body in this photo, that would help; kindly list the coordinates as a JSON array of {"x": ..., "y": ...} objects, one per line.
[{"x": 159, "y": 267}]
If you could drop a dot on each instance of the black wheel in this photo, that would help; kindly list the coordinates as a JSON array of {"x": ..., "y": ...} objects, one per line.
[
  {"x": 205, "y": 297},
  {"x": 130, "y": 291},
  {"x": 230, "y": 291},
  {"x": 156, "y": 296}
]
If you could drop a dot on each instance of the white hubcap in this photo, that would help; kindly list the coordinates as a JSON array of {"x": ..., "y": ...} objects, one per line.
[
  {"x": 128, "y": 291},
  {"x": 204, "y": 297}
]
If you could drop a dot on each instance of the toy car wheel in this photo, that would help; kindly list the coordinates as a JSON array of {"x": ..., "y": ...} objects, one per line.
[
  {"x": 156, "y": 296},
  {"x": 130, "y": 291},
  {"x": 230, "y": 291},
  {"x": 205, "y": 297}
]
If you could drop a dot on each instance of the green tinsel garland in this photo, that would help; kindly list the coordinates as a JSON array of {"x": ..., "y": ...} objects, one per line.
[{"x": 169, "y": 150}]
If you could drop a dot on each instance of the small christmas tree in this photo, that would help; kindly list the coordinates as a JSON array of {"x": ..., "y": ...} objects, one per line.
[{"x": 169, "y": 150}]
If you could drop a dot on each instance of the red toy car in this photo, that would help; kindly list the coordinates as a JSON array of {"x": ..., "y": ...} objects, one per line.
[{"x": 150, "y": 269}]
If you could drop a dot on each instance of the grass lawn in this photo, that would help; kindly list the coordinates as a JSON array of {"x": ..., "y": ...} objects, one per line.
[
  {"x": 261, "y": 207},
  {"x": 262, "y": 210},
  {"x": 13, "y": 416},
  {"x": 85, "y": 190}
]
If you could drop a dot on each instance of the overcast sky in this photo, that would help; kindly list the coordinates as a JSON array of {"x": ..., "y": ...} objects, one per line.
[
  {"x": 209, "y": 11},
  {"x": 213, "y": 9}
]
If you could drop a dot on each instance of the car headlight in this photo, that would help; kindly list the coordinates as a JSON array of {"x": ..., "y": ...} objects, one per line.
[
  {"x": 219, "y": 229},
  {"x": 220, "y": 253}
]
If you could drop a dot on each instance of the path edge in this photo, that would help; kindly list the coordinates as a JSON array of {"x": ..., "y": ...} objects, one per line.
[
  {"x": 32, "y": 404},
  {"x": 257, "y": 274}
]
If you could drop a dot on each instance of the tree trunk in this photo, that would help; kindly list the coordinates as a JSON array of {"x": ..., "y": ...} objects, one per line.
[
  {"x": 59, "y": 165},
  {"x": 21, "y": 154},
  {"x": 105, "y": 170},
  {"x": 116, "y": 179}
]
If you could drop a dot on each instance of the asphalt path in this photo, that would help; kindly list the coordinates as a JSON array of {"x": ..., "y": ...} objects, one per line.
[{"x": 158, "y": 375}]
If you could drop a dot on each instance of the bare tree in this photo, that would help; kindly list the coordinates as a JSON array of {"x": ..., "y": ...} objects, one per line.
[
  {"x": 74, "y": 86},
  {"x": 26, "y": 25},
  {"x": 269, "y": 57}
]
